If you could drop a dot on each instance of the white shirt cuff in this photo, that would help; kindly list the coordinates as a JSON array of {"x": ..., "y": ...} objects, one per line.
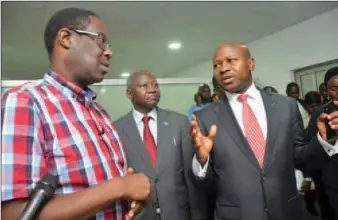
[
  {"x": 197, "y": 169},
  {"x": 329, "y": 149}
]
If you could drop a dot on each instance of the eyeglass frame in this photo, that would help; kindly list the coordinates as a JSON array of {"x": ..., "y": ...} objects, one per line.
[{"x": 94, "y": 34}]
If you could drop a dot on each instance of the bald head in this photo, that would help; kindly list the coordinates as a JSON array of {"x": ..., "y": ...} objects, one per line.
[
  {"x": 242, "y": 48},
  {"x": 133, "y": 78},
  {"x": 233, "y": 64},
  {"x": 143, "y": 91}
]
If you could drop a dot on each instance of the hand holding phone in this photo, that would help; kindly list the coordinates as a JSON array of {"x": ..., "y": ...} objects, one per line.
[{"x": 331, "y": 135}]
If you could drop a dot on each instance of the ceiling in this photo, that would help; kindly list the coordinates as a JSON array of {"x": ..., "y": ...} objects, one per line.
[{"x": 140, "y": 31}]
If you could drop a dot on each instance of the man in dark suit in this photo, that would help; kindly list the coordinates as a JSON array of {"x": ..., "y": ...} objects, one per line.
[
  {"x": 250, "y": 142},
  {"x": 157, "y": 142},
  {"x": 326, "y": 179}
]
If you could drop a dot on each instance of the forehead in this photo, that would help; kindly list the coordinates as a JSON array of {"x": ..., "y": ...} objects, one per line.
[
  {"x": 97, "y": 25},
  {"x": 294, "y": 88},
  {"x": 143, "y": 77},
  {"x": 228, "y": 51},
  {"x": 333, "y": 81}
]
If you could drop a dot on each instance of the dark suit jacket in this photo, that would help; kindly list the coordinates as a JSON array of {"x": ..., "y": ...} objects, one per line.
[
  {"x": 173, "y": 191},
  {"x": 244, "y": 190},
  {"x": 328, "y": 175}
]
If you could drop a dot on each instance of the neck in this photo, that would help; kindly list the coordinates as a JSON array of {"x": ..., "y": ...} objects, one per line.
[
  {"x": 59, "y": 68},
  {"x": 245, "y": 88},
  {"x": 144, "y": 111}
]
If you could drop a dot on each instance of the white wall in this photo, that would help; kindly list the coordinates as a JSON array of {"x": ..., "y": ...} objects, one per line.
[{"x": 310, "y": 42}]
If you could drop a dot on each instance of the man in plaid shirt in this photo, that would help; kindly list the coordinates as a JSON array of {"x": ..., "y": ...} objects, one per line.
[{"x": 54, "y": 126}]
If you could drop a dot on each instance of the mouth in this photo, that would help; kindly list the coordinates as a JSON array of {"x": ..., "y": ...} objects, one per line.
[
  {"x": 227, "y": 79},
  {"x": 105, "y": 66},
  {"x": 153, "y": 98}
]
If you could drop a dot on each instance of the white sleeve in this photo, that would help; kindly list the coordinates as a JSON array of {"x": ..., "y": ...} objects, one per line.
[
  {"x": 329, "y": 149},
  {"x": 197, "y": 169}
]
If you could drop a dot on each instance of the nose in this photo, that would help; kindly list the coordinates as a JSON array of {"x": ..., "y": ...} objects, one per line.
[
  {"x": 224, "y": 67},
  {"x": 152, "y": 88},
  {"x": 108, "y": 53}
]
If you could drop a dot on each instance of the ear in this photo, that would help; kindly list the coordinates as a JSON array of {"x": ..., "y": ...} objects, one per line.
[
  {"x": 252, "y": 64},
  {"x": 129, "y": 94},
  {"x": 64, "y": 38}
]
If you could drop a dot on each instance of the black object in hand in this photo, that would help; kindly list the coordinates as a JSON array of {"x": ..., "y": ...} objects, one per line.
[
  {"x": 43, "y": 191},
  {"x": 331, "y": 135}
]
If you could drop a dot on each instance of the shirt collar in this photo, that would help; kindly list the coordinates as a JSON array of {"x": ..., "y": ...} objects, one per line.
[
  {"x": 252, "y": 92},
  {"x": 139, "y": 116},
  {"x": 68, "y": 88}
]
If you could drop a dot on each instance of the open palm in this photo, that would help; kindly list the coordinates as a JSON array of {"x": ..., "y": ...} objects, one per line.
[{"x": 203, "y": 144}]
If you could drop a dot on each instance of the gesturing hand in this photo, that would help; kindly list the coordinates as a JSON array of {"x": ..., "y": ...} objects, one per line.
[{"x": 203, "y": 144}]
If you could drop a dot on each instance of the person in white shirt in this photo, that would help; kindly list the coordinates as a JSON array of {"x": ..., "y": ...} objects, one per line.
[{"x": 250, "y": 142}]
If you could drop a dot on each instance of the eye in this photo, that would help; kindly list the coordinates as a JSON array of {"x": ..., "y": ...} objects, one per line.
[
  {"x": 231, "y": 60},
  {"x": 100, "y": 40},
  {"x": 217, "y": 65}
]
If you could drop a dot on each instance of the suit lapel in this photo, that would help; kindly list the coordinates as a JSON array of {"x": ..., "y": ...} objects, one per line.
[
  {"x": 230, "y": 124},
  {"x": 164, "y": 140},
  {"x": 271, "y": 110},
  {"x": 137, "y": 145}
]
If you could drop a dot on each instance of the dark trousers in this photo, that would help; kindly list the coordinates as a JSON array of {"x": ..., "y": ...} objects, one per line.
[{"x": 328, "y": 201}]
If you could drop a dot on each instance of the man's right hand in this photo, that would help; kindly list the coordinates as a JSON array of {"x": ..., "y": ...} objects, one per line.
[
  {"x": 135, "y": 206},
  {"x": 136, "y": 187},
  {"x": 202, "y": 144}
]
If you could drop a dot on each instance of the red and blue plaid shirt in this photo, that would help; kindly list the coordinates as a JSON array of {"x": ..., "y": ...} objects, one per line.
[{"x": 54, "y": 126}]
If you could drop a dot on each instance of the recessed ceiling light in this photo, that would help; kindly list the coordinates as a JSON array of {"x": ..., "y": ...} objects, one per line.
[
  {"x": 175, "y": 46},
  {"x": 125, "y": 75}
]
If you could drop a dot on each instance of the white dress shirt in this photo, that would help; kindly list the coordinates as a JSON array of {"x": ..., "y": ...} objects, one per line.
[
  {"x": 255, "y": 101},
  {"x": 138, "y": 116}
]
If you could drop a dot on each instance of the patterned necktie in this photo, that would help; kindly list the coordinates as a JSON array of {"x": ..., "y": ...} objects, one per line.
[
  {"x": 253, "y": 131},
  {"x": 149, "y": 141}
]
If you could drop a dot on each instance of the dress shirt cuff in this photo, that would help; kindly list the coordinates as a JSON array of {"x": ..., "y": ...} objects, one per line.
[
  {"x": 328, "y": 148},
  {"x": 308, "y": 179},
  {"x": 198, "y": 170}
]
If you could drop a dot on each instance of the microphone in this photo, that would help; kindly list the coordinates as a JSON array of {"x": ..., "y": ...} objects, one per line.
[{"x": 43, "y": 191}]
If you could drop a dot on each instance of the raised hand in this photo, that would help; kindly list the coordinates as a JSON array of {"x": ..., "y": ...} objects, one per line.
[
  {"x": 322, "y": 120},
  {"x": 203, "y": 144}
]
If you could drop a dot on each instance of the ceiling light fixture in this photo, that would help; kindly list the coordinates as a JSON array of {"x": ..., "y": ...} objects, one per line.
[
  {"x": 125, "y": 75},
  {"x": 175, "y": 46}
]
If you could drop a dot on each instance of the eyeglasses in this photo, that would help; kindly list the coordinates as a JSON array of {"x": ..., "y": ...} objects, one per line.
[{"x": 101, "y": 38}]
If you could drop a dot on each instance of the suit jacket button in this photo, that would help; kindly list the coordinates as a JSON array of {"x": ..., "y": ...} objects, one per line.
[
  {"x": 158, "y": 211},
  {"x": 266, "y": 209}
]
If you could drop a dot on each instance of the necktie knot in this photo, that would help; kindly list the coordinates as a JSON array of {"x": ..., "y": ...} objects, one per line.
[
  {"x": 146, "y": 119},
  {"x": 243, "y": 98}
]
